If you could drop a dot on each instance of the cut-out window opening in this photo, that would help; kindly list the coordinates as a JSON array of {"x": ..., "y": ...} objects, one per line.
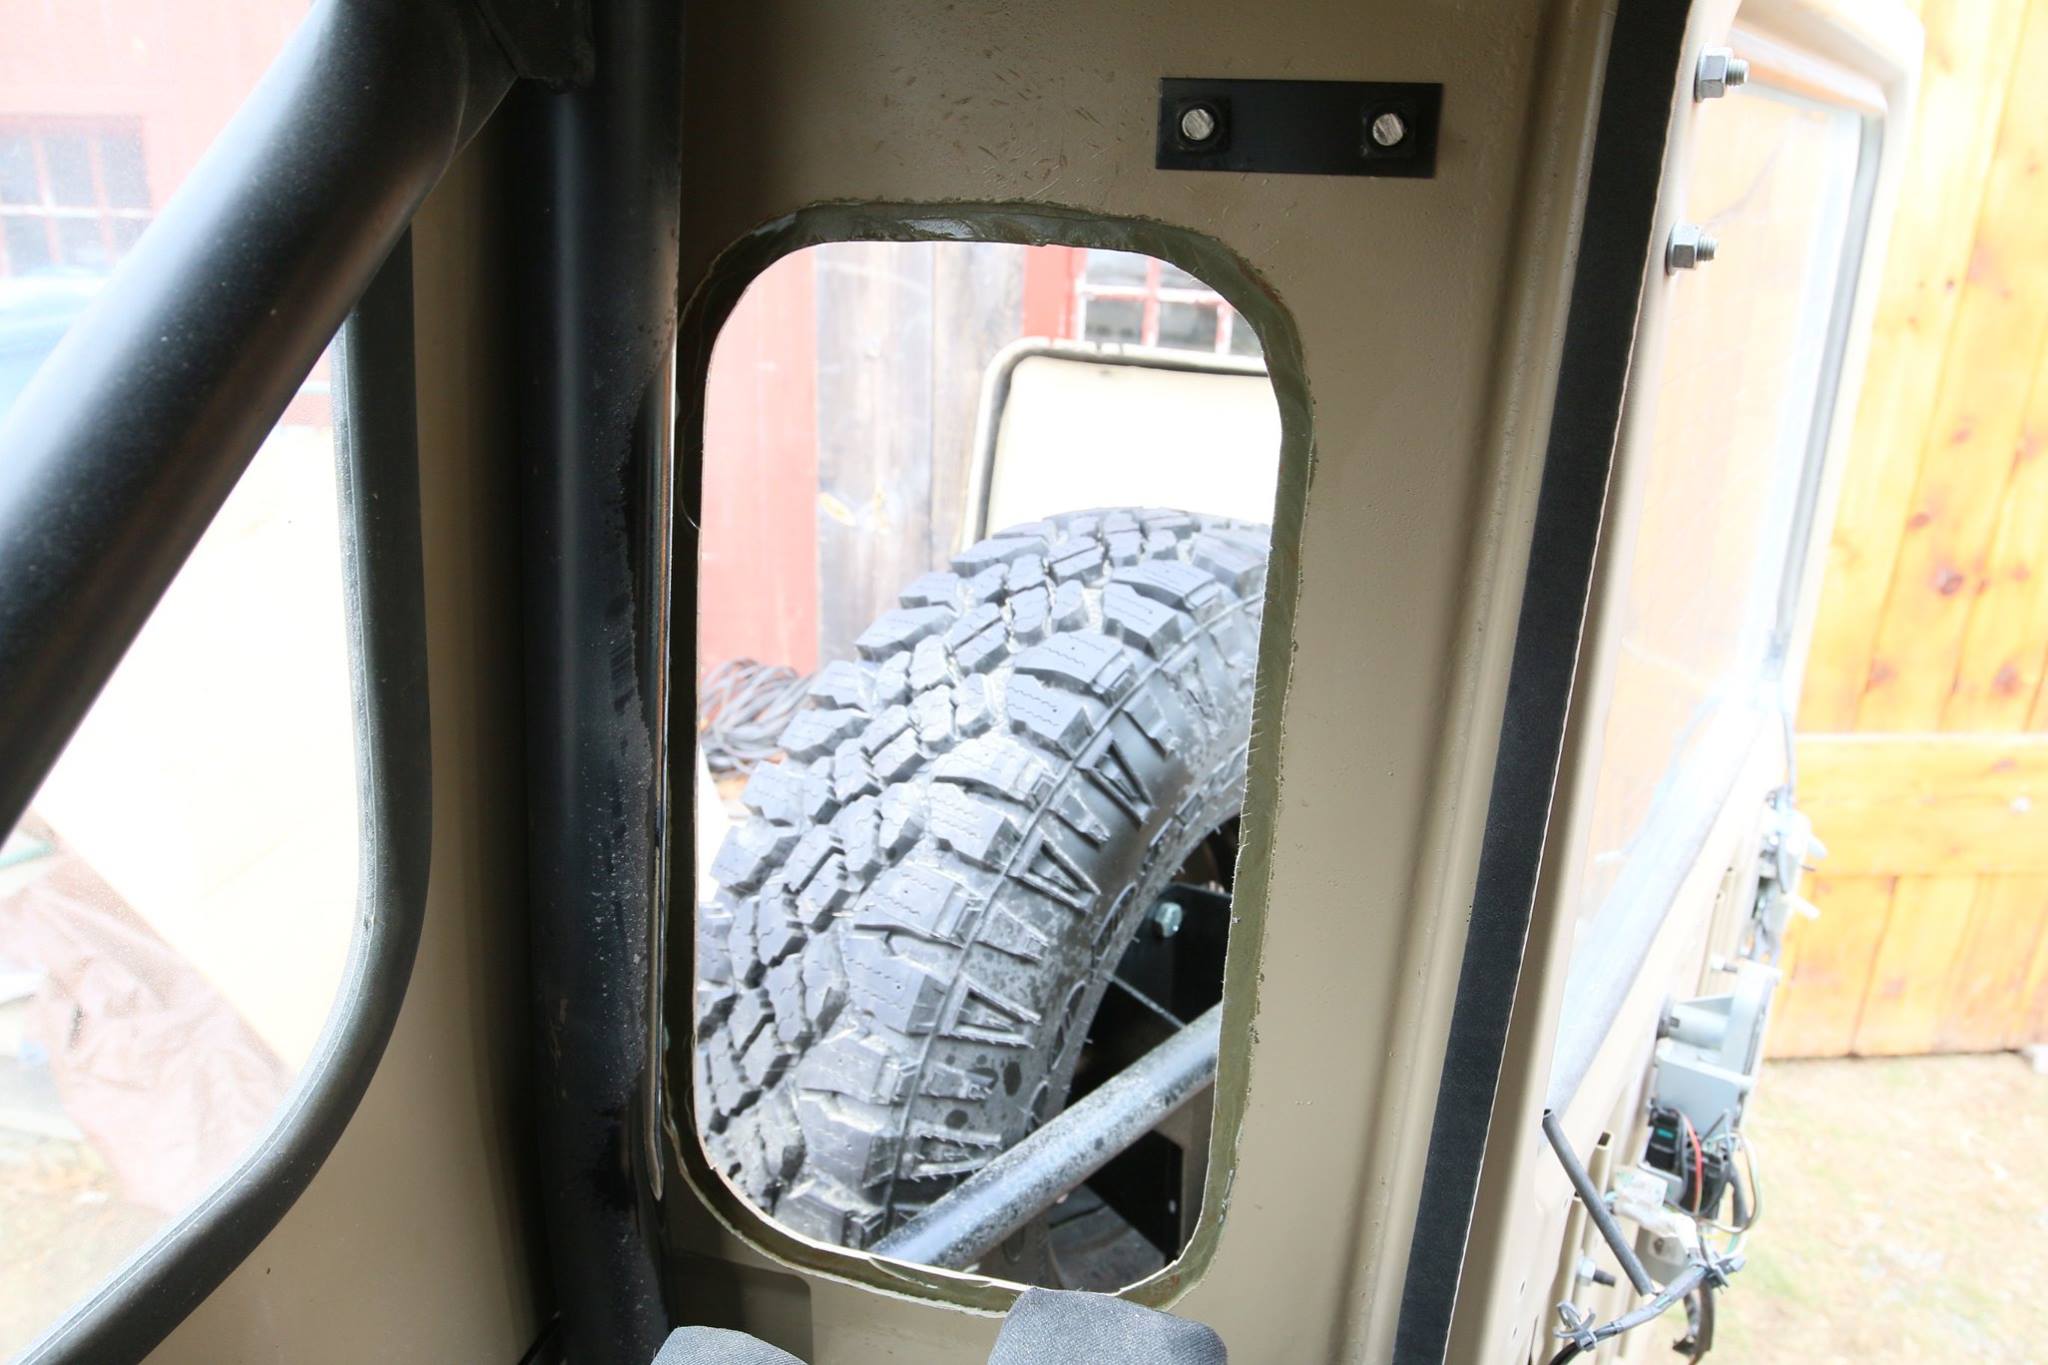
[{"x": 978, "y": 613}]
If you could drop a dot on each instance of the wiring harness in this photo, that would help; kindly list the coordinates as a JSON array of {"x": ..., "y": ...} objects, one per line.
[
  {"x": 1693, "y": 1270},
  {"x": 1704, "y": 1274}
]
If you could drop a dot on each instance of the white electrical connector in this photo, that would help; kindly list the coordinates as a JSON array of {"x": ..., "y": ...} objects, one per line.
[
  {"x": 1664, "y": 1236},
  {"x": 1638, "y": 1195}
]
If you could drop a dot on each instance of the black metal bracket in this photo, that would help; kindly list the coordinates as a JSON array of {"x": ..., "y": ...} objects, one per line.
[{"x": 1300, "y": 127}]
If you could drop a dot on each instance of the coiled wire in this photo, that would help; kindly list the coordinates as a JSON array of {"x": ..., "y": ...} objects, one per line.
[{"x": 742, "y": 707}]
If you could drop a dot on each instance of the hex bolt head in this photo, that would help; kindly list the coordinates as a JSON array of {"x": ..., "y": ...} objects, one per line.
[
  {"x": 1166, "y": 919},
  {"x": 1691, "y": 246},
  {"x": 1719, "y": 71},
  {"x": 1389, "y": 130},
  {"x": 1198, "y": 123}
]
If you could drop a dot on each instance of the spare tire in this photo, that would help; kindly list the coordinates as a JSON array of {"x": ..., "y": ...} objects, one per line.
[{"x": 913, "y": 928}]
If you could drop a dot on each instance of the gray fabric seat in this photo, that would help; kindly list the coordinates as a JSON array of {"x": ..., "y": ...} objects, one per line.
[
  {"x": 1044, "y": 1327},
  {"x": 719, "y": 1346},
  {"x": 1061, "y": 1327}
]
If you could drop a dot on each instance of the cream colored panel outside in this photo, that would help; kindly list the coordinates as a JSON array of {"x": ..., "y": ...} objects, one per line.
[
  {"x": 1132, "y": 435},
  {"x": 1737, "y": 415},
  {"x": 417, "y": 1240},
  {"x": 1425, "y": 316}
]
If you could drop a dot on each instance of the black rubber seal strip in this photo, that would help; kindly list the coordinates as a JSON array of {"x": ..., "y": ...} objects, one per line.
[
  {"x": 1643, "y": 63},
  {"x": 377, "y": 450}
]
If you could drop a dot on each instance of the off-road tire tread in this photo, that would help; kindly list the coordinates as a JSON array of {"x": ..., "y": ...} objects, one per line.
[{"x": 917, "y": 918}]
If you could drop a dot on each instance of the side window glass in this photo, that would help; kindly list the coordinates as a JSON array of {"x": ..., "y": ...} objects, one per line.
[
  {"x": 1721, "y": 495},
  {"x": 177, "y": 903},
  {"x": 981, "y": 575}
]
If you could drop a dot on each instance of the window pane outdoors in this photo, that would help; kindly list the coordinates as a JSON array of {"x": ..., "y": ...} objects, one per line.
[
  {"x": 177, "y": 904},
  {"x": 1187, "y": 326},
  {"x": 28, "y": 252},
  {"x": 81, "y": 245},
  {"x": 122, "y": 173},
  {"x": 17, "y": 169},
  {"x": 69, "y": 170},
  {"x": 1115, "y": 320},
  {"x": 1116, "y": 267}
]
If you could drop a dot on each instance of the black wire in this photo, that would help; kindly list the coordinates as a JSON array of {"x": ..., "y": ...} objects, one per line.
[
  {"x": 742, "y": 707},
  {"x": 1569, "y": 1352},
  {"x": 1699, "y": 1322}
]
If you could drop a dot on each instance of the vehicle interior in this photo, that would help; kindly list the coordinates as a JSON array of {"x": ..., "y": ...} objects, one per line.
[{"x": 985, "y": 682}]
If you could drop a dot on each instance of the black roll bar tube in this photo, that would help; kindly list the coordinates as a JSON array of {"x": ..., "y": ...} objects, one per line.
[
  {"x": 119, "y": 452},
  {"x": 973, "y": 1218},
  {"x": 596, "y": 214}
]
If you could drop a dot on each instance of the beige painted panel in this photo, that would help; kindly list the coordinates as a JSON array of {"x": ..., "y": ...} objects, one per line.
[
  {"x": 1427, "y": 316},
  {"x": 1427, "y": 374}
]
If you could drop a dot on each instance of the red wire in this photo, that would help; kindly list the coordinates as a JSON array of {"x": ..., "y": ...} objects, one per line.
[{"x": 1699, "y": 1164}]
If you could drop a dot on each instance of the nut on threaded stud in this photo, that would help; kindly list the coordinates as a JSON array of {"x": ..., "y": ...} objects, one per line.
[
  {"x": 1691, "y": 246},
  {"x": 1719, "y": 71}
]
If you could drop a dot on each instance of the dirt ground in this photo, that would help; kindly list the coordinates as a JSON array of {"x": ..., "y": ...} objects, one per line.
[{"x": 1905, "y": 1215}]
